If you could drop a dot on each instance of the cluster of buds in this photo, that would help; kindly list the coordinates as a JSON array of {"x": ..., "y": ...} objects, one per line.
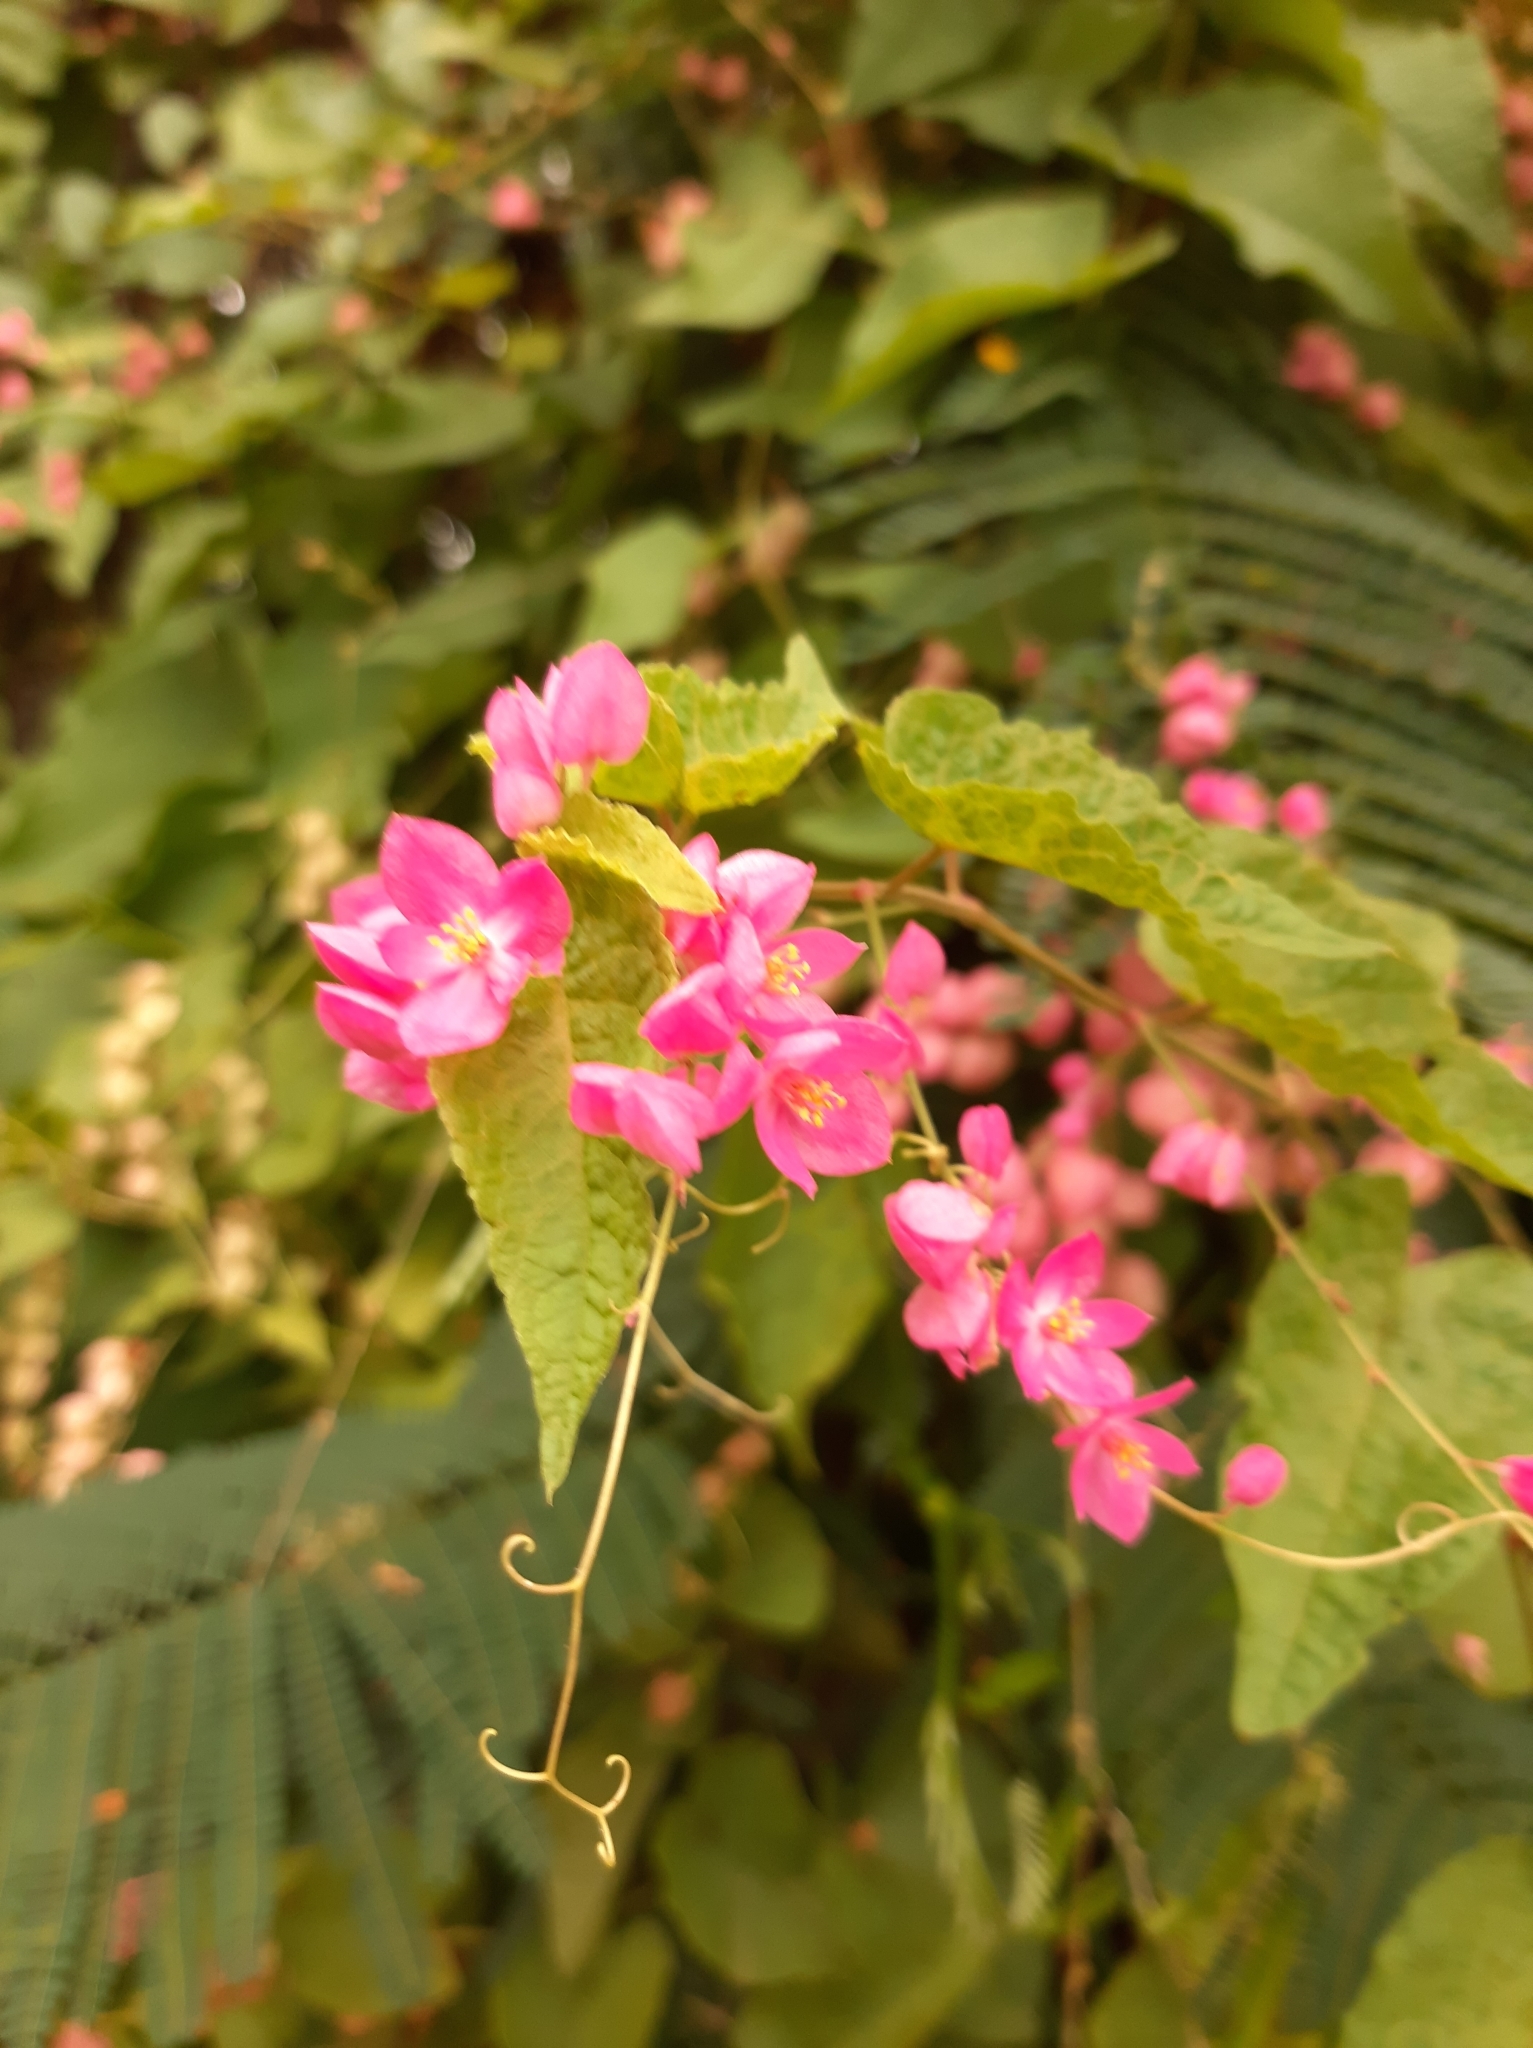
[
  {"x": 86, "y": 1426},
  {"x": 1203, "y": 702},
  {"x": 147, "y": 1166},
  {"x": 241, "y": 1249},
  {"x": 242, "y": 1099},
  {"x": 962, "y": 1026},
  {"x": 29, "y": 1343},
  {"x": 725, "y": 79},
  {"x": 319, "y": 856},
  {"x": 1323, "y": 364},
  {"x": 147, "y": 1008},
  {"x": 660, "y": 231}
]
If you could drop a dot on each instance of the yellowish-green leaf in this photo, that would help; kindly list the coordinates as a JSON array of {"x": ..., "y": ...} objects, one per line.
[
  {"x": 621, "y": 841},
  {"x": 655, "y": 774},
  {"x": 744, "y": 742},
  {"x": 34, "y": 1225},
  {"x": 569, "y": 1217}
]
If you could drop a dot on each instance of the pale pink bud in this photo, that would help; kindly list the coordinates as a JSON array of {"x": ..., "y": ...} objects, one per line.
[
  {"x": 935, "y": 1228},
  {"x": 1196, "y": 732},
  {"x": 1203, "y": 1161},
  {"x": 729, "y": 79},
  {"x": 1304, "y": 812},
  {"x": 1516, "y": 1476},
  {"x": 1471, "y": 1654},
  {"x": 63, "y": 481},
  {"x": 1107, "y": 1034},
  {"x": 980, "y": 1060},
  {"x": 1254, "y": 1476},
  {"x": 917, "y": 964},
  {"x": 984, "y": 1139},
  {"x": 514, "y": 206},
  {"x": 389, "y": 179},
  {"x": 140, "y": 1464},
  {"x": 1134, "y": 1278},
  {"x": 1426, "y": 1176},
  {"x": 1516, "y": 112},
  {"x": 660, "y": 234},
  {"x": 145, "y": 361},
  {"x": 1080, "y": 1185},
  {"x": 1379, "y": 408},
  {"x": 1320, "y": 363},
  {"x": 15, "y": 390},
  {"x": 1221, "y": 798},
  {"x": 1202, "y": 679},
  {"x": 1156, "y": 1103},
  {"x": 1131, "y": 976},
  {"x": 942, "y": 666},
  {"x": 1029, "y": 661},
  {"x": 1050, "y": 1022},
  {"x": 18, "y": 336},
  {"x": 351, "y": 313},
  {"x": 669, "y": 1698},
  {"x": 1136, "y": 1201},
  {"x": 1519, "y": 176}
]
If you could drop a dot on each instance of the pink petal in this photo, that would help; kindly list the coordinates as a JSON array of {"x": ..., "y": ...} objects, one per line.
[
  {"x": 516, "y": 725},
  {"x": 698, "y": 1016},
  {"x": 1071, "y": 1272},
  {"x": 397, "y": 1084},
  {"x": 1169, "y": 1453},
  {"x": 953, "y": 1318},
  {"x": 771, "y": 888},
  {"x": 411, "y": 953},
  {"x": 1117, "y": 1502},
  {"x": 433, "y": 871},
  {"x": 1084, "y": 1377},
  {"x": 935, "y": 1228},
  {"x": 597, "y": 705},
  {"x": 361, "y": 1021},
  {"x": 456, "y": 1015},
  {"x": 916, "y": 964},
  {"x": 984, "y": 1136},
  {"x": 730, "y": 1090},
  {"x": 853, "y": 1139},
  {"x": 660, "y": 1118},
  {"x": 779, "y": 1131},
  {"x": 530, "y": 913},
  {"x": 524, "y": 801},
  {"x": 353, "y": 952},
  {"x": 363, "y": 901},
  {"x": 1161, "y": 1397},
  {"x": 1116, "y": 1324},
  {"x": 809, "y": 957},
  {"x": 594, "y": 1086},
  {"x": 864, "y": 1046}
]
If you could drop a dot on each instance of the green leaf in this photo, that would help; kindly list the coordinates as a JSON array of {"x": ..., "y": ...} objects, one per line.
[
  {"x": 796, "y": 1314},
  {"x": 1451, "y": 1333},
  {"x": 900, "y": 48},
  {"x": 309, "y": 1114},
  {"x": 963, "y": 269},
  {"x": 483, "y": 607},
  {"x": 744, "y": 742},
  {"x": 34, "y": 1225},
  {"x": 636, "y": 586},
  {"x": 1231, "y": 153},
  {"x": 759, "y": 252},
  {"x": 1456, "y": 1968},
  {"x": 1080, "y": 47},
  {"x": 655, "y": 774},
  {"x": 569, "y": 1218},
  {"x": 779, "y": 1576},
  {"x": 616, "y": 2001},
  {"x": 1315, "y": 31},
  {"x": 299, "y": 118},
  {"x": 421, "y": 422},
  {"x": 1139, "y": 2007},
  {"x": 621, "y": 841},
  {"x": 1438, "y": 93}
]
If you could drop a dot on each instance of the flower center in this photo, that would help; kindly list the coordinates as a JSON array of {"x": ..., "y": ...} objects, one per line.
[
  {"x": 482, "y": 747},
  {"x": 786, "y": 970},
  {"x": 462, "y": 938},
  {"x": 1128, "y": 1455},
  {"x": 1068, "y": 1324},
  {"x": 809, "y": 1100}
]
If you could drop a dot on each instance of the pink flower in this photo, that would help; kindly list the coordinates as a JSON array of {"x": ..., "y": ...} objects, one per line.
[
  {"x": 1425, "y": 1175},
  {"x": 63, "y": 481},
  {"x": 956, "y": 1321},
  {"x": 1254, "y": 1476},
  {"x": 18, "y": 336},
  {"x": 984, "y": 1139},
  {"x": 1221, "y": 798},
  {"x": 191, "y": 341},
  {"x": 142, "y": 1463},
  {"x": 658, "y": 1115},
  {"x": 1050, "y": 1022},
  {"x": 1196, "y": 732},
  {"x": 1156, "y": 1103},
  {"x": 917, "y": 964},
  {"x": 15, "y": 390},
  {"x": 1320, "y": 363},
  {"x": 1200, "y": 679},
  {"x": 1107, "y": 1034},
  {"x": 1304, "y": 811},
  {"x": 775, "y": 988},
  {"x": 817, "y": 1111},
  {"x": 597, "y": 705},
  {"x": 1515, "y": 1053},
  {"x": 1202, "y": 1160},
  {"x": 1379, "y": 408},
  {"x": 144, "y": 364},
  {"x": 513, "y": 205},
  {"x": 936, "y": 1228},
  {"x": 1061, "y": 1340},
  {"x": 524, "y": 773},
  {"x": 660, "y": 233},
  {"x": 401, "y": 1083},
  {"x": 1118, "y": 1459},
  {"x": 1516, "y": 1476},
  {"x": 12, "y": 517},
  {"x": 471, "y": 935},
  {"x": 1080, "y": 1185}
]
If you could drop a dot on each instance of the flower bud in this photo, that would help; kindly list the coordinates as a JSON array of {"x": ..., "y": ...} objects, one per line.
[
  {"x": 514, "y": 206},
  {"x": 1379, "y": 408},
  {"x": 942, "y": 666},
  {"x": 1196, "y": 732},
  {"x": 1321, "y": 364},
  {"x": 1304, "y": 812},
  {"x": 1516, "y": 1476},
  {"x": 1426, "y": 1176},
  {"x": 1219, "y": 798},
  {"x": 1254, "y": 1476}
]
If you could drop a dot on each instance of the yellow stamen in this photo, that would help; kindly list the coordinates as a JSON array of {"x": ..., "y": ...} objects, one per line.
[
  {"x": 1128, "y": 1455},
  {"x": 786, "y": 970},
  {"x": 1068, "y": 1324},
  {"x": 462, "y": 938},
  {"x": 809, "y": 1100},
  {"x": 483, "y": 747}
]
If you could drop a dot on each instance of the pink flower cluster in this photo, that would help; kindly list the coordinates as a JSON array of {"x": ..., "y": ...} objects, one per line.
[
  {"x": 1203, "y": 702},
  {"x": 431, "y": 952},
  {"x": 1323, "y": 365},
  {"x": 812, "y": 1080},
  {"x": 960, "y": 1027}
]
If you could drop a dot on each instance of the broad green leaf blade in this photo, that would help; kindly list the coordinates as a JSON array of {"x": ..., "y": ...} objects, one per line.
[
  {"x": 654, "y": 776},
  {"x": 1315, "y": 31},
  {"x": 637, "y": 584},
  {"x": 1080, "y": 47},
  {"x": 1231, "y": 153},
  {"x": 623, "y": 843},
  {"x": 1480, "y": 1101},
  {"x": 1438, "y": 93},
  {"x": 483, "y": 607},
  {"x": 34, "y": 1224},
  {"x": 760, "y": 251},
  {"x": 900, "y": 48},
  {"x": 420, "y": 422},
  {"x": 745, "y": 742},
  {"x": 568, "y": 1215},
  {"x": 964, "y": 269},
  {"x": 1455, "y": 1334},
  {"x": 780, "y": 1582},
  {"x": 616, "y": 1999},
  {"x": 1456, "y": 1969}
]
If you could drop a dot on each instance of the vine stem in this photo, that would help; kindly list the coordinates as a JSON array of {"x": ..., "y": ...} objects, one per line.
[
  {"x": 913, "y": 1086},
  {"x": 576, "y": 1585},
  {"x": 1365, "y": 1561}
]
